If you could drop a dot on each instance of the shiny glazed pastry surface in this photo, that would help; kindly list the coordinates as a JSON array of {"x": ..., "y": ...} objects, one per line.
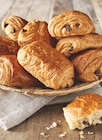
[
  {"x": 70, "y": 23},
  {"x": 46, "y": 64}
]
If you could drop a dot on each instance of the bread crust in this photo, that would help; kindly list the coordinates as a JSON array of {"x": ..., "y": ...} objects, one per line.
[
  {"x": 70, "y": 23},
  {"x": 81, "y": 112},
  {"x": 32, "y": 31},
  {"x": 84, "y": 105},
  {"x": 88, "y": 65},
  {"x": 12, "y": 74},
  {"x": 12, "y": 26},
  {"x": 8, "y": 46},
  {"x": 46, "y": 64},
  {"x": 73, "y": 44}
]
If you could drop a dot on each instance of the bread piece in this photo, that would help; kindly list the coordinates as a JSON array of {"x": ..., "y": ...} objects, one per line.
[
  {"x": 46, "y": 64},
  {"x": 74, "y": 44},
  {"x": 88, "y": 65},
  {"x": 8, "y": 46},
  {"x": 32, "y": 31},
  {"x": 12, "y": 25},
  {"x": 12, "y": 74},
  {"x": 70, "y": 23},
  {"x": 84, "y": 111}
]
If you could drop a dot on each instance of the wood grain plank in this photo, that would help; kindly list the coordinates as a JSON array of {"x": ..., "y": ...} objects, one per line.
[
  {"x": 5, "y": 6},
  {"x": 84, "y": 6},
  {"x": 59, "y": 6},
  {"x": 98, "y": 132},
  {"x": 97, "y": 5},
  {"x": 55, "y": 115},
  {"x": 19, "y": 8},
  {"x": 43, "y": 13}
]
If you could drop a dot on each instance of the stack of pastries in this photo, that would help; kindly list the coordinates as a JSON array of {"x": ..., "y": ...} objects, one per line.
[
  {"x": 37, "y": 53},
  {"x": 35, "y": 62},
  {"x": 78, "y": 41}
]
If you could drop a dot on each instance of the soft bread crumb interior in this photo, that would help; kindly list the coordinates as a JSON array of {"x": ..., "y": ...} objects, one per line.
[{"x": 85, "y": 121}]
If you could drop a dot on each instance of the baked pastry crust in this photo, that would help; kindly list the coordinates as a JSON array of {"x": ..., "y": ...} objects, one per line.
[
  {"x": 70, "y": 23},
  {"x": 50, "y": 67},
  {"x": 12, "y": 74},
  {"x": 88, "y": 65},
  {"x": 32, "y": 31},
  {"x": 8, "y": 46},
  {"x": 74, "y": 44},
  {"x": 84, "y": 111},
  {"x": 12, "y": 25}
]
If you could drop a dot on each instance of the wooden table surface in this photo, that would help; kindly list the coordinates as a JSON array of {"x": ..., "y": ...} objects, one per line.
[{"x": 34, "y": 127}]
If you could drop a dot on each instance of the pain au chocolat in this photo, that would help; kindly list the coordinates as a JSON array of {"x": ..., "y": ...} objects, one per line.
[
  {"x": 32, "y": 31},
  {"x": 46, "y": 64},
  {"x": 8, "y": 46},
  {"x": 12, "y": 25},
  {"x": 88, "y": 65},
  {"x": 70, "y": 23},
  {"x": 73, "y": 44},
  {"x": 12, "y": 74},
  {"x": 84, "y": 111}
]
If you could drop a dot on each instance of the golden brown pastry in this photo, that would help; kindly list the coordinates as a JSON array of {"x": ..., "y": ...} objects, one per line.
[
  {"x": 12, "y": 74},
  {"x": 12, "y": 25},
  {"x": 8, "y": 46},
  {"x": 50, "y": 67},
  {"x": 88, "y": 65},
  {"x": 74, "y": 44},
  {"x": 32, "y": 31},
  {"x": 84, "y": 111},
  {"x": 70, "y": 23}
]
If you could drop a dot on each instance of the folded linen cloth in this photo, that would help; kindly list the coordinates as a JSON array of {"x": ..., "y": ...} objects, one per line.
[{"x": 16, "y": 107}]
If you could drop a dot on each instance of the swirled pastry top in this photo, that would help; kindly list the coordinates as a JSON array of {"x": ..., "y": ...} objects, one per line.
[
  {"x": 70, "y": 23},
  {"x": 34, "y": 30},
  {"x": 12, "y": 25}
]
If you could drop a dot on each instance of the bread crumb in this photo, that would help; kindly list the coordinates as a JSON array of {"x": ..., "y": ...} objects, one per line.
[
  {"x": 53, "y": 125},
  {"x": 59, "y": 121},
  {"x": 44, "y": 134},
  {"x": 81, "y": 134},
  {"x": 63, "y": 134},
  {"x": 90, "y": 133}
]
